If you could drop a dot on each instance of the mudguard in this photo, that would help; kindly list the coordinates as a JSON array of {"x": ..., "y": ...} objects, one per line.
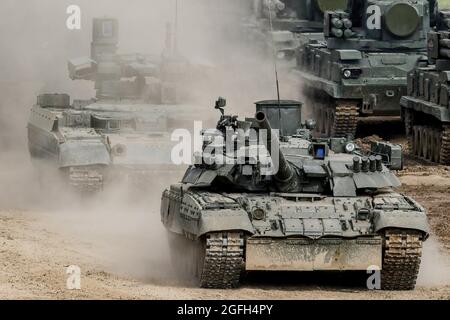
[
  {"x": 83, "y": 153},
  {"x": 224, "y": 220},
  {"x": 199, "y": 213},
  {"x": 413, "y": 220}
]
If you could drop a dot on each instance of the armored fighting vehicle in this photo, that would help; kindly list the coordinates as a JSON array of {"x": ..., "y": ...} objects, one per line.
[
  {"x": 426, "y": 107},
  {"x": 289, "y": 19},
  {"x": 258, "y": 200},
  {"x": 125, "y": 131},
  {"x": 361, "y": 68}
]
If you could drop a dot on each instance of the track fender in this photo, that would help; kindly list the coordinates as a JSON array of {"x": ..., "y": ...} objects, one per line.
[
  {"x": 224, "y": 220},
  {"x": 413, "y": 220},
  {"x": 83, "y": 153}
]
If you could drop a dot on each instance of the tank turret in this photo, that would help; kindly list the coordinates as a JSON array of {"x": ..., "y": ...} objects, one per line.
[
  {"x": 253, "y": 155},
  {"x": 374, "y": 25},
  {"x": 276, "y": 24},
  {"x": 297, "y": 15},
  {"x": 130, "y": 76}
]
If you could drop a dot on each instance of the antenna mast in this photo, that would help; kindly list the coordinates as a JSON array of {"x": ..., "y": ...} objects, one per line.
[
  {"x": 274, "y": 55},
  {"x": 175, "y": 40}
]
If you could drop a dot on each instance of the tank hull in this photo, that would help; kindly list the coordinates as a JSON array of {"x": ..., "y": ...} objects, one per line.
[
  {"x": 325, "y": 254},
  {"x": 90, "y": 159},
  {"x": 301, "y": 234},
  {"x": 426, "y": 107}
]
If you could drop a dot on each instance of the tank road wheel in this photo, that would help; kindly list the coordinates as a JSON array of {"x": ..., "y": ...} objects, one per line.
[
  {"x": 223, "y": 260},
  {"x": 345, "y": 119},
  {"x": 415, "y": 141},
  {"x": 402, "y": 251},
  {"x": 436, "y": 149},
  {"x": 445, "y": 146},
  {"x": 423, "y": 143},
  {"x": 419, "y": 141},
  {"x": 408, "y": 120},
  {"x": 429, "y": 137}
]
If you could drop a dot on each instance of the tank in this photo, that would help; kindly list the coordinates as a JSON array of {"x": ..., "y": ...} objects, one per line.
[
  {"x": 274, "y": 199},
  {"x": 122, "y": 133},
  {"x": 289, "y": 19},
  {"x": 426, "y": 107},
  {"x": 360, "y": 69}
]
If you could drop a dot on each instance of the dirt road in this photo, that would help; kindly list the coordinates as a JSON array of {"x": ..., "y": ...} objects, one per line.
[{"x": 122, "y": 253}]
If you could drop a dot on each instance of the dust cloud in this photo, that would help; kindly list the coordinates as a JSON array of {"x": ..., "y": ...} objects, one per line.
[
  {"x": 120, "y": 229},
  {"x": 123, "y": 230},
  {"x": 435, "y": 266}
]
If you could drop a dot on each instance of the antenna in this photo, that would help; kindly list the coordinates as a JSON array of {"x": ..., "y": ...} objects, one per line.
[
  {"x": 175, "y": 40},
  {"x": 274, "y": 56}
]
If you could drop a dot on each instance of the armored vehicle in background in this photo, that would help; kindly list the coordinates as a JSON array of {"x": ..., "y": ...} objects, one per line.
[
  {"x": 125, "y": 131},
  {"x": 289, "y": 19},
  {"x": 426, "y": 107},
  {"x": 256, "y": 200},
  {"x": 361, "y": 68}
]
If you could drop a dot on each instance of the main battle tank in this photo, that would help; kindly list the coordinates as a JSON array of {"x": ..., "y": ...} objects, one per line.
[
  {"x": 289, "y": 19},
  {"x": 361, "y": 68},
  {"x": 256, "y": 200},
  {"x": 426, "y": 107},
  {"x": 125, "y": 131}
]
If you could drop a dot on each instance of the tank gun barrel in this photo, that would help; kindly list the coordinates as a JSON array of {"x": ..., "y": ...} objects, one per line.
[
  {"x": 444, "y": 48},
  {"x": 285, "y": 172},
  {"x": 444, "y": 43},
  {"x": 438, "y": 45}
]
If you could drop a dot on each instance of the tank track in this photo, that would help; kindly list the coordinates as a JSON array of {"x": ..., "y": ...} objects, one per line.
[
  {"x": 445, "y": 146},
  {"x": 402, "y": 251},
  {"x": 345, "y": 119},
  {"x": 86, "y": 180},
  {"x": 407, "y": 118},
  {"x": 430, "y": 144},
  {"x": 224, "y": 258}
]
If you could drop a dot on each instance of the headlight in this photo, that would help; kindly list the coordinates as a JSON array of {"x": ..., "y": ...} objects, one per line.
[
  {"x": 347, "y": 74},
  {"x": 281, "y": 55},
  {"x": 351, "y": 73},
  {"x": 350, "y": 147}
]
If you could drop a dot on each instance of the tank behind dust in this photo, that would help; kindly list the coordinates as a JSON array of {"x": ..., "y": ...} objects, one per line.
[
  {"x": 125, "y": 131},
  {"x": 290, "y": 204},
  {"x": 426, "y": 107},
  {"x": 361, "y": 68},
  {"x": 289, "y": 19}
]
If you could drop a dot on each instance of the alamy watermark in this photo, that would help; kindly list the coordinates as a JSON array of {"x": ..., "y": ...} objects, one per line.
[
  {"x": 374, "y": 280},
  {"x": 73, "y": 21}
]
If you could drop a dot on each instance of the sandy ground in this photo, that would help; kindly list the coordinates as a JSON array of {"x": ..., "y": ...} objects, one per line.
[{"x": 122, "y": 253}]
